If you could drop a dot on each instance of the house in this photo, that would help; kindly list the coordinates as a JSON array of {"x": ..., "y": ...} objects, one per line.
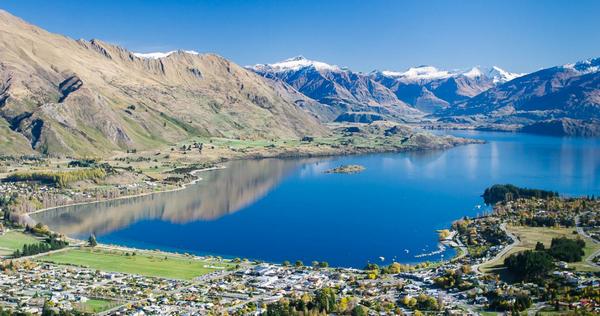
[{"x": 481, "y": 300}]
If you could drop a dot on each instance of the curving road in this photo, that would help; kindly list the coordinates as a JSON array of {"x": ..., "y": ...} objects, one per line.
[{"x": 515, "y": 242}]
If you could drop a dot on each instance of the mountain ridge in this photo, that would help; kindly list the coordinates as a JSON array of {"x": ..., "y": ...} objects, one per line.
[
  {"x": 424, "y": 88},
  {"x": 75, "y": 97}
]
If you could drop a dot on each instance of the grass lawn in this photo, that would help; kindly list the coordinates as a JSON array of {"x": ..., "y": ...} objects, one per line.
[
  {"x": 95, "y": 305},
  {"x": 153, "y": 265},
  {"x": 14, "y": 240},
  {"x": 529, "y": 236}
]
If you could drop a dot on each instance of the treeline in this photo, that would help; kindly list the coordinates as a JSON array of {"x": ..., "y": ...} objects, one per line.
[
  {"x": 508, "y": 192},
  {"x": 51, "y": 243},
  {"x": 61, "y": 178},
  {"x": 531, "y": 265},
  {"x": 547, "y": 221}
]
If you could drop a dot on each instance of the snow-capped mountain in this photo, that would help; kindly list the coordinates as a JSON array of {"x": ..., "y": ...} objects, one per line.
[
  {"x": 571, "y": 90},
  {"x": 430, "y": 73},
  {"x": 424, "y": 88},
  {"x": 430, "y": 89},
  {"x": 295, "y": 64},
  {"x": 340, "y": 88},
  {"x": 159, "y": 55}
]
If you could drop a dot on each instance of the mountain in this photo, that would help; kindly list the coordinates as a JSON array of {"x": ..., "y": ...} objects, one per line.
[
  {"x": 430, "y": 90},
  {"x": 565, "y": 127},
  {"x": 567, "y": 91},
  {"x": 89, "y": 98},
  {"x": 389, "y": 93},
  {"x": 339, "y": 88}
]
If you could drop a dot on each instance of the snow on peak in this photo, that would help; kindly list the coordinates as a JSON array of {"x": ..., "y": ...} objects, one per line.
[
  {"x": 497, "y": 74},
  {"x": 297, "y": 63},
  {"x": 418, "y": 73},
  {"x": 158, "y": 55},
  {"x": 427, "y": 73},
  {"x": 586, "y": 66}
]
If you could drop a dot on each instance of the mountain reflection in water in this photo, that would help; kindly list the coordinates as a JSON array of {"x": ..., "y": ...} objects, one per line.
[{"x": 220, "y": 192}]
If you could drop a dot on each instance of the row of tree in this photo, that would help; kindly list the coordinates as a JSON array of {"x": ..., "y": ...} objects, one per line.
[
  {"x": 61, "y": 178},
  {"x": 51, "y": 243}
]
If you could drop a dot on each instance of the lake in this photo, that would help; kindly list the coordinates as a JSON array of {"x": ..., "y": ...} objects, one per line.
[{"x": 288, "y": 209}]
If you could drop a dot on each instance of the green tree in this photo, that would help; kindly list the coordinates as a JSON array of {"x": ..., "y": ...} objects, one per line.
[
  {"x": 359, "y": 310},
  {"x": 539, "y": 246},
  {"x": 529, "y": 265},
  {"x": 92, "y": 241}
]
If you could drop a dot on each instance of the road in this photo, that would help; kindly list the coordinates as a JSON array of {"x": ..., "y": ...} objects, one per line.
[
  {"x": 590, "y": 258},
  {"x": 515, "y": 242}
]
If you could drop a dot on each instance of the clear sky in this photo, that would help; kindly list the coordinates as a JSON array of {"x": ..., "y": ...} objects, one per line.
[{"x": 519, "y": 35}]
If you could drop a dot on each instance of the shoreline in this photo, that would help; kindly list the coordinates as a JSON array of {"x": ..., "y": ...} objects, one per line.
[
  {"x": 252, "y": 156},
  {"x": 181, "y": 187},
  {"x": 281, "y": 155}
]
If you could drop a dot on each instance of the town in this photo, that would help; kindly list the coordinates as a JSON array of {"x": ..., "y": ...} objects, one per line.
[{"x": 77, "y": 277}]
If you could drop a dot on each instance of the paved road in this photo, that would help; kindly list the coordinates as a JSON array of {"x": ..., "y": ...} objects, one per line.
[
  {"x": 515, "y": 242},
  {"x": 590, "y": 258}
]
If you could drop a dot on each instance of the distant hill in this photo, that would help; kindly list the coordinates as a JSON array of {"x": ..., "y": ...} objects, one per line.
[
  {"x": 341, "y": 89},
  {"x": 394, "y": 95},
  {"x": 430, "y": 90},
  {"x": 567, "y": 91},
  {"x": 565, "y": 127},
  {"x": 75, "y": 97}
]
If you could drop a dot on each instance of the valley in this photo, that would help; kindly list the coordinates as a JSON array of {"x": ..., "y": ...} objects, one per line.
[{"x": 137, "y": 178}]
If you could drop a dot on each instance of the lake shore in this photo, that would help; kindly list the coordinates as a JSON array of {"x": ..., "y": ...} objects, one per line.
[{"x": 287, "y": 153}]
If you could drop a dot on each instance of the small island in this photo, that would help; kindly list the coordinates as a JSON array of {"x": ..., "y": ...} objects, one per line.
[{"x": 347, "y": 169}]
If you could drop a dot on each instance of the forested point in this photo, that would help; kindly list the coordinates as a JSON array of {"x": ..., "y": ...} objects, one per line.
[{"x": 508, "y": 192}]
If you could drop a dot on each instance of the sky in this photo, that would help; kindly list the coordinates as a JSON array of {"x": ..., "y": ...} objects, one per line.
[{"x": 518, "y": 35}]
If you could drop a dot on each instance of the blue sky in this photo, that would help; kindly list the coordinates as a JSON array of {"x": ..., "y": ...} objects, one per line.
[{"x": 518, "y": 35}]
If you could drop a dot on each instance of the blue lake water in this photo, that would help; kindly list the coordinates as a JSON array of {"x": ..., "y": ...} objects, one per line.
[{"x": 285, "y": 209}]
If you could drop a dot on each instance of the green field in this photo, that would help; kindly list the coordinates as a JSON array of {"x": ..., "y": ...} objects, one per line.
[
  {"x": 96, "y": 305},
  {"x": 529, "y": 236},
  {"x": 14, "y": 240},
  {"x": 153, "y": 265}
]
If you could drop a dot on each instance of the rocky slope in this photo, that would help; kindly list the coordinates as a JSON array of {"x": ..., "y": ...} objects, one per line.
[
  {"x": 341, "y": 89},
  {"x": 565, "y": 127},
  {"x": 88, "y": 98},
  {"x": 430, "y": 90},
  {"x": 568, "y": 91},
  {"x": 392, "y": 94}
]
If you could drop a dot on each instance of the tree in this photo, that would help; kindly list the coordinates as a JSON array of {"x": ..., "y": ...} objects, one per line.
[
  {"x": 92, "y": 241},
  {"x": 539, "y": 246},
  {"x": 565, "y": 249},
  {"x": 299, "y": 264},
  {"x": 359, "y": 310},
  {"x": 529, "y": 265}
]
